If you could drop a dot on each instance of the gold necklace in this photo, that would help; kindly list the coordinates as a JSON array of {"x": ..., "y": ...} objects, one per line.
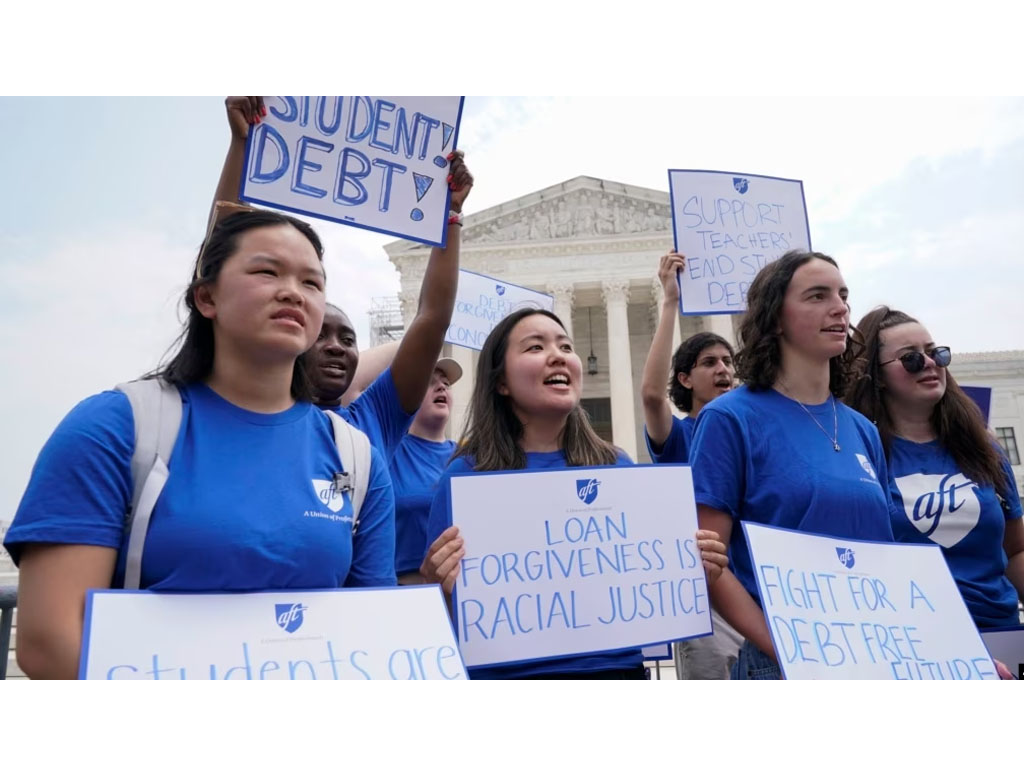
[{"x": 835, "y": 417}]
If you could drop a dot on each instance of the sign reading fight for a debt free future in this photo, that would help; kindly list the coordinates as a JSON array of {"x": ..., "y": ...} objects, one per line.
[
  {"x": 336, "y": 634},
  {"x": 575, "y": 561},
  {"x": 730, "y": 225},
  {"x": 376, "y": 162},
  {"x": 842, "y": 609},
  {"x": 481, "y": 303}
]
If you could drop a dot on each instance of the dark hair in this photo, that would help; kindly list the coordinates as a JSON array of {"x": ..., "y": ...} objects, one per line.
[
  {"x": 493, "y": 431},
  {"x": 760, "y": 356},
  {"x": 683, "y": 361},
  {"x": 956, "y": 419},
  {"x": 193, "y": 361}
]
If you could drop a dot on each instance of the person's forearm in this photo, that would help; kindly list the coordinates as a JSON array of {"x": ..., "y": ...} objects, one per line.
[
  {"x": 657, "y": 414},
  {"x": 738, "y": 608}
]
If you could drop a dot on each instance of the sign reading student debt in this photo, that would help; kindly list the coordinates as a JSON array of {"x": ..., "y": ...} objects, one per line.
[
  {"x": 480, "y": 304},
  {"x": 376, "y": 162},
  {"x": 730, "y": 225},
  {"x": 841, "y": 609},
  {"x": 575, "y": 561},
  {"x": 336, "y": 634}
]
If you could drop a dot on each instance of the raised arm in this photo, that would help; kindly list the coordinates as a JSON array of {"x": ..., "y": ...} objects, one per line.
[
  {"x": 243, "y": 111},
  {"x": 657, "y": 413},
  {"x": 372, "y": 363},
  {"x": 414, "y": 361}
]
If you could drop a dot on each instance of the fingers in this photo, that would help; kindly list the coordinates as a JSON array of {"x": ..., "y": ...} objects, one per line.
[
  {"x": 443, "y": 556},
  {"x": 713, "y": 554},
  {"x": 459, "y": 177}
]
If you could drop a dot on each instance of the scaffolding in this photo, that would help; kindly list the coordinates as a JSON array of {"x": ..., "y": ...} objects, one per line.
[{"x": 386, "y": 322}]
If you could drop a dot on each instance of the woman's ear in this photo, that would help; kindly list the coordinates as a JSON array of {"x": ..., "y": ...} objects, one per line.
[
  {"x": 203, "y": 297},
  {"x": 502, "y": 388},
  {"x": 684, "y": 379}
]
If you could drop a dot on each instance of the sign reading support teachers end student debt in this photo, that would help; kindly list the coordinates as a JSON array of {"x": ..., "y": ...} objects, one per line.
[
  {"x": 842, "y": 609},
  {"x": 376, "y": 162},
  {"x": 480, "y": 304},
  {"x": 575, "y": 561},
  {"x": 335, "y": 634},
  {"x": 729, "y": 225}
]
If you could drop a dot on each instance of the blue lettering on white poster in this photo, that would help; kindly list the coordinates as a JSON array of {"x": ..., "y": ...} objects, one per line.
[
  {"x": 376, "y": 162},
  {"x": 481, "y": 303},
  {"x": 729, "y": 226}
]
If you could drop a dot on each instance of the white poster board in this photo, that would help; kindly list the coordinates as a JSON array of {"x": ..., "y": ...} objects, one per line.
[
  {"x": 575, "y": 561},
  {"x": 842, "y": 609},
  {"x": 336, "y": 634},
  {"x": 661, "y": 652},
  {"x": 375, "y": 162},
  {"x": 1007, "y": 645},
  {"x": 730, "y": 225},
  {"x": 482, "y": 302}
]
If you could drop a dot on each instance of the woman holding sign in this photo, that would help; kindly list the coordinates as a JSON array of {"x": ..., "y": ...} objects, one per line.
[
  {"x": 782, "y": 450},
  {"x": 525, "y": 413},
  {"x": 251, "y": 497},
  {"x": 951, "y": 485}
]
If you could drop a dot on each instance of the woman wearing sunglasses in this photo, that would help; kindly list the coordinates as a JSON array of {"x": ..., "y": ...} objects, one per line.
[{"x": 951, "y": 485}]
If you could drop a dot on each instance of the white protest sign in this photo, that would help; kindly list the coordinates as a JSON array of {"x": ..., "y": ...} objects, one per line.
[
  {"x": 842, "y": 609},
  {"x": 481, "y": 303},
  {"x": 729, "y": 225},
  {"x": 337, "y": 634},
  {"x": 376, "y": 162},
  {"x": 661, "y": 652},
  {"x": 576, "y": 561},
  {"x": 1007, "y": 645}
]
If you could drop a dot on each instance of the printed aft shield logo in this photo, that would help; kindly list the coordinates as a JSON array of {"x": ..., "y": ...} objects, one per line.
[
  {"x": 945, "y": 508},
  {"x": 329, "y": 495},
  {"x": 845, "y": 555},
  {"x": 586, "y": 490},
  {"x": 500, "y": 289},
  {"x": 289, "y": 615},
  {"x": 865, "y": 464},
  {"x": 741, "y": 184}
]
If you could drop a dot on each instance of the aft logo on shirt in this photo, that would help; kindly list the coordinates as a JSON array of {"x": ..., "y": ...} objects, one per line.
[
  {"x": 944, "y": 508},
  {"x": 329, "y": 495},
  {"x": 586, "y": 490},
  {"x": 289, "y": 615},
  {"x": 865, "y": 464}
]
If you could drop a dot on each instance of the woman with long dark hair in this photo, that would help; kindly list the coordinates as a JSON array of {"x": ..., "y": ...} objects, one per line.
[
  {"x": 525, "y": 413},
  {"x": 246, "y": 504},
  {"x": 781, "y": 449},
  {"x": 950, "y": 486}
]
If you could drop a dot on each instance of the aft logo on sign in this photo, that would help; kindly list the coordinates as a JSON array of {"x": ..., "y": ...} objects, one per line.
[
  {"x": 586, "y": 490},
  {"x": 845, "y": 555},
  {"x": 289, "y": 615},
  {"x": 499, "y": 289},
  {"x": 741, "y": 184}
]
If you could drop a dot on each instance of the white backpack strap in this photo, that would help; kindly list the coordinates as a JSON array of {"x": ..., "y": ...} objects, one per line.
[
  {"x": 156, "y": 409},
  {"x": 354, "y": 452}
]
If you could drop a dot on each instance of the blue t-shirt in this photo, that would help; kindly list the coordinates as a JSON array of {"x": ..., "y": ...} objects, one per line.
[
  {"x": 379, "y": 414},
  {"x": 247, "y": 506},
  {"x": 934, "y": 502},
  {"x": 415, "y": 469},
  {"x": 759, "y": 457},
  {"x": 676, "y": 449},
  {"x": 440, "y": 519}
]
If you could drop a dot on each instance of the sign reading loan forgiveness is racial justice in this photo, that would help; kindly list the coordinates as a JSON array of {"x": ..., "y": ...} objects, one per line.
[
  {"x": 331, "y": 634},
  {"x": 841, "y": 609},
  {"x": 376, "y": 162},
  {"x": 574, "y": 561},
  {"x": 480, "y": 304},
  {"x": 729, "y": 225}
]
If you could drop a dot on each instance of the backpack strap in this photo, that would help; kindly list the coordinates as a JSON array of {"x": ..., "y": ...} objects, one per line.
[
  {"x": 156, "y": 410},
  {"x": 354, "y": 452}
]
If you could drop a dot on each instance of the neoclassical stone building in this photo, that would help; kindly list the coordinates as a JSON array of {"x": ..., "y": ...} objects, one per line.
[{"x": 594, "y": 245}]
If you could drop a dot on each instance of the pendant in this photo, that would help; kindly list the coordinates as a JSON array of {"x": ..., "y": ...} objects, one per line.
[{"x": 836, "y": 446}]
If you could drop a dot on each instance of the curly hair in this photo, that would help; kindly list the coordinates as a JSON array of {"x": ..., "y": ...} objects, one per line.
[
  {"x": 684, "y": 359},
  {"x": 760, "y": 357}
]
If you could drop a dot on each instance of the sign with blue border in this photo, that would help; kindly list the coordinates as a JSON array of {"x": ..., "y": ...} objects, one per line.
[
  {"x": 841, "y": 609},
  {"x": 572, "y": 561},
  {"x": 375, "y": 162},
  {"x": 661, "y": 652},
  {"x": 729, "y": 226},
  {"x": 332, "y": 634},
  {"x": 482, "y": 302},
  {"x": 1007, "y": 645}
]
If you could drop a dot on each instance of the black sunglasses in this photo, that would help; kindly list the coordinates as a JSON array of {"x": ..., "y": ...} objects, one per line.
[{"x": 913, "y": 361}]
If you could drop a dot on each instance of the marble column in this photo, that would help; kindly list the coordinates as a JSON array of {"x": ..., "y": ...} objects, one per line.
[
  {"x": 565, "y": 300},
  {"x": 722, "y": 325},
  {"x": 620, "y": 368}
]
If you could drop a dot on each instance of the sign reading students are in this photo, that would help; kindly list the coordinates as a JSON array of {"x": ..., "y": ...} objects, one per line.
[
  {"x": 481, "y": 303},
  {"x": 729, "y": 226},
  {"x": 376, "y": 162},
  {"x": 336, "y": 634},
  {"x": 575, "y": 561},
  {"x": 843, "y": 609}
]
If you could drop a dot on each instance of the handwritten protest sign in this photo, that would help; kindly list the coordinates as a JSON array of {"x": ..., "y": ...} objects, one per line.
[
  {"x": 982, "y": 397},
  {"x": 336, "y": 634},
  {"x": 481, "y": 303},
  {"x": 1007, "y": 645},
  {"x": 575, "y": 561},
  {"x": 843, "y": 609},
  {"x": 376, "y": 162},
  {"x": 729, "y": 226}
]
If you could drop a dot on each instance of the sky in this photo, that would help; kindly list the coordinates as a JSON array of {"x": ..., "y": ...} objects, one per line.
[{"x": 907, "y": 135}]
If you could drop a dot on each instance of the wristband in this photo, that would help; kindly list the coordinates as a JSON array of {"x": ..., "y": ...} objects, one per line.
[{"x": 455, "y": 217}]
